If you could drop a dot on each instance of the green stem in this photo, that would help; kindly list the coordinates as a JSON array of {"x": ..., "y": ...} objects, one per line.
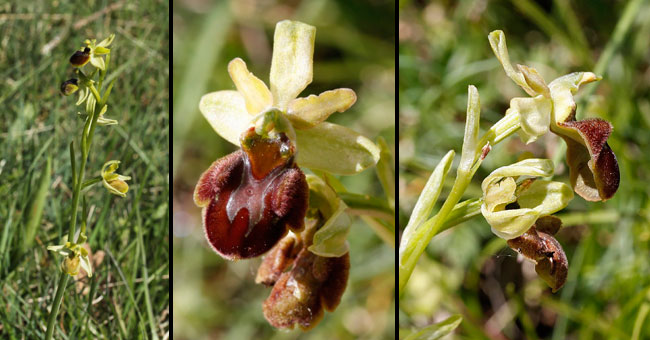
[
  {"x": 87, "y": 139},
  {"x": 145, "y": 272},
  {"x": 63, "y": 281},
  {"x": 429, "y": 229},
  {"x": 411, "y": 251},
  {"x": 359, "y": 204}
]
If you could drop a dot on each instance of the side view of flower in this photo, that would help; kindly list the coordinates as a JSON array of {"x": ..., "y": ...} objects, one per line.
[
  {"x": 515, "y": 202},
  {"x": 258, "y": 200}
]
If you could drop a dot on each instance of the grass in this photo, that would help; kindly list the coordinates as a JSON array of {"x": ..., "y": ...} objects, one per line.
[
  {"x": 354, "y": 48},
  {"x": 467, "y": 270},
  {"x": 129, "y": 294}
]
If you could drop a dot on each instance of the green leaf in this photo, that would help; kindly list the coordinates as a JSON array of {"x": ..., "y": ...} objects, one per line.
[
  {"x": 471, "y": 129},
  {"x": 36, "y": 206},
  {"x": 438, "y": 330},
  {"x": 427, "y": 199}
]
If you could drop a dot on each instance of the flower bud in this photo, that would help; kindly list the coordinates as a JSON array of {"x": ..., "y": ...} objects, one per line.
[
  {"x": 119, "y": 185},
  {"x": 538, "y": 245},
  {"x": 69, "y": 87},
  {"x": 80, "y": 58},
  {"x": 299, "y": 296},
  {"x": 113, "y": 182},
  {"x": 71, "y": 264}
]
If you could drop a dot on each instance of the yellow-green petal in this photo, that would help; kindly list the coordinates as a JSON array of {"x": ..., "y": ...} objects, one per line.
[
  {"x": 534, "y": 80},
  {"x": 533, "y": 167},
  {"x": 500, "y": 194},
  {"x": 226, "y": 113},
  {"x": 85, "y": 264},
  {"x": 335, "y": 149},
  {"x": 99, "y": 50},
  {"x": 508, "y": 224},
  {"x": 305, "y": 113},
  {"x": 546, "y": 197},
  {"x": 256, "y": 95},
  {"x": 562, "y": 90},
  {"x": 535, "y": 116},
  {"x": 498, "y": 43},
  {"x": 291, "y": 66},
  {"x": 106, "y": 42}
]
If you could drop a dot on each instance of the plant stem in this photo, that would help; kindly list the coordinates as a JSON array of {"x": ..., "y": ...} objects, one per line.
[
  {"x": 429, "y": 229},
  {"x": 87, "y": 138},
  {"x": 63, "y": 281},
  {"x": 413, "y": 249}
]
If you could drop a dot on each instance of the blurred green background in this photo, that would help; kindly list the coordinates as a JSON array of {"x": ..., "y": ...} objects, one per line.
[
  {"x": 443, "y": 47},
  {"x": 354, "y": 48},
  {"x": 36, "y": 40}
]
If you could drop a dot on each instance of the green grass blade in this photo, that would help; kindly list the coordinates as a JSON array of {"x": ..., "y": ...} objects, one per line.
[{"x": 36, "y": 205}]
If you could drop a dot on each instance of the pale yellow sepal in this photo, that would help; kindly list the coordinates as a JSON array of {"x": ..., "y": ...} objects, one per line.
[
  {"x": 256, "y": 95},
  {"x": 498, "y": 43},
  {"x": 335, "y": 149},
  {"x": 291, "y": 66},
  {"x": 226, "y": 112},
  {"x": 307, "y": 112}
]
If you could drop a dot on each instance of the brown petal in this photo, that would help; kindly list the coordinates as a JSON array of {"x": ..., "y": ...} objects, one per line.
[
  {"x": 593, "y": 166},
  {"x": 299, "y": 296},
  {"x": 543, "y": 249}
]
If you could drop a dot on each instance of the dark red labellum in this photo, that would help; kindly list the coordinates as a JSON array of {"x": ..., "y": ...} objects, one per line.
[
  {"x": 80, "y": 58},
  {"x": 251, "y": 198}
]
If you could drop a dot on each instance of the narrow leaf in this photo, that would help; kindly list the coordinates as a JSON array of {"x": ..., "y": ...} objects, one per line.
[
  {"x": 471, "y": 129},
  {"x": 427, "y": 199},
  {"x": 36, "y": 205},
  {"x": 438, "y": 330}
]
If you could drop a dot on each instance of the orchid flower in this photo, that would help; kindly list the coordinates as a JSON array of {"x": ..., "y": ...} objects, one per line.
[
  {"x": 321, "y": 145},
  {"x": 513, "y": 204},
  {"x": 593, "y": 167}
]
